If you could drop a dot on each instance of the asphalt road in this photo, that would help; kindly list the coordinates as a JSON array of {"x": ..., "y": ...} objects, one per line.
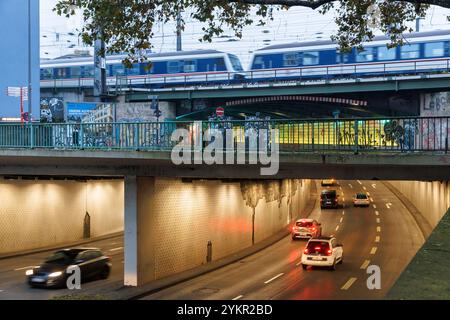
[
  {"x": 13, "y": 281},
  {"x": 383, "y": 234}
]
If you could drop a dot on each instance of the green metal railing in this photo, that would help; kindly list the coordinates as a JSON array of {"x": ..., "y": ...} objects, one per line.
[{"x": 365, "y": 134}]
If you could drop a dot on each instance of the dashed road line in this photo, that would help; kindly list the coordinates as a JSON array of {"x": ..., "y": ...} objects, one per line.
[
  {"x": 364, "y": 188},
  {"x": 337, "y": 228},
  {"x": 378, "y": 229},
  {"x": 377, "y": 239},
  {"x": 359, "y": 182},
  {"x": 368, "y": 193},
  {"x": 238, "y": 297},
  {"x": 365, "y": 264},
  {"x": 348, "y": 284},
  {"x": 378, "y": 220},
  {"x": 388, "y": 205},
  {"x": 377, "y": 213},
  {"x": 24, "y": 268},
  {"x": 374, "y": 185},
  {"x": 374, "y": 250},
  {"x": 116, "y": 249},
  {"x": 351, "y": 187},
  {"x": 342, "y": 219},
  {"x": 374, "y": 206},
  {"x": 276, "y": 277}
]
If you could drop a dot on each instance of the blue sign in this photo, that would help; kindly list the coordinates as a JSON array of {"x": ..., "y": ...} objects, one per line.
[{"x": 77, "y": 110}]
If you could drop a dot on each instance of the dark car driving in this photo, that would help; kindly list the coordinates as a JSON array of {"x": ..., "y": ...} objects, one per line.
[
  {"x": 52, "y": 273},
  {"x": 329, "y": 199}
]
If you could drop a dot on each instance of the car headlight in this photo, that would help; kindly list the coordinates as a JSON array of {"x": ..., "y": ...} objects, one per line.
[
  {"x": 29, "y": 272},
  {"x": 55, "y": 274}
]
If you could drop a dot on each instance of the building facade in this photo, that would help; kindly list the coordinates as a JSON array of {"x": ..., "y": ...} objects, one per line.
[{"x": 17, "y": 42}]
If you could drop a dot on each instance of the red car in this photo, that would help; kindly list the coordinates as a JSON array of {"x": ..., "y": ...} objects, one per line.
[{"x": 306, "y": 228}]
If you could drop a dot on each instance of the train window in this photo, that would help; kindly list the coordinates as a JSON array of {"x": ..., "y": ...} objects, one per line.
[
  {"x": 46, "y": 73},
  {"x": 118, "y": 69},
  {"x": 258, "y": 63},
  {"x": 190, "y": 66},
  {"x": 61, "y": 73},
  {"x": 88, "y": 71},
  {"x": 173, "y": 66},
  {"x": 75, "y": 72},
  {"x": 385, "y": 53},
  {"x": 410, "y": 51},
  {"x": 310, "y": 58},
  {"x": 341, "y": 57},
  {"x": 434, "y": 49},
  {"x": 291, "y": 59},
  {"x": 365, "y": 56},
  {"x": 235, "y": 62},
  {"x": 134, "y": 70}
]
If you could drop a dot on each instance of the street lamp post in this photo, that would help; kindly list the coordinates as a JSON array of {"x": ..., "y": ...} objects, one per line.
[{"x": 29, "y": 63}]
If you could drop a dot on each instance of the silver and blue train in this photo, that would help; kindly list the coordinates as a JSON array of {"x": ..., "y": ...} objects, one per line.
[{"x": 423, "y": 52}]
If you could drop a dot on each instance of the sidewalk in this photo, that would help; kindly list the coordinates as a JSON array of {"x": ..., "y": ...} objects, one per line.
[
  {"x": 59, "y": 246},
  {"x": 116, "y": 290},
  {"x": 428, "y": 274}
]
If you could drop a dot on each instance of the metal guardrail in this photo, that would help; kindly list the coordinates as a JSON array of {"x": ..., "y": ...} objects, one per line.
[
  {"x": 427, "y": 134},
  {"x": 348, "y": 71}
]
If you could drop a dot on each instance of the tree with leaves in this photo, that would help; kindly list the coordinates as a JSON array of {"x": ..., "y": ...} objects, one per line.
[{"x": 127, "y": 25}]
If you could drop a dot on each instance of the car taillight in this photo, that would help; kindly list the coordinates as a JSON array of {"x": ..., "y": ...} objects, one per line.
[
  {"x": 317, "y": 248},
  {"x": 313, "y": 229},
  {"x": 329, "y": 252},
  {"x": 306, "y": 251}
]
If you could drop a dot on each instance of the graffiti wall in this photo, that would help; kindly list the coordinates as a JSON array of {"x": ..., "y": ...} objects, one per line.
[
  {"x": 52, "y": 110},
  {"x": 435, "y": 132}
]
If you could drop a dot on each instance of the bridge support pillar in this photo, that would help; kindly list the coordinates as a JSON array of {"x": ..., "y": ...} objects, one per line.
[{"x": 138, "y": 242}]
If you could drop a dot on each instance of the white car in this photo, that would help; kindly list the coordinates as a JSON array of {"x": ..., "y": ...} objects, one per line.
[
  {"x": 361, "y": 199},
  {"x": 322, "y": 252}
]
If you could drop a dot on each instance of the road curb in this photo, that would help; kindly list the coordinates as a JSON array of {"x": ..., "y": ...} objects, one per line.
[
  {"x": 423, "y": 224},
  {"x": 60, "y": 246}
]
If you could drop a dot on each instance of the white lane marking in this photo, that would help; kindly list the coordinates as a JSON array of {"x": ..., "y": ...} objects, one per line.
[
  {"x": 343, "y": 199},
  {"x": 374, "y": 185},
  {"x": 348, "y": 284},
  {"x": 276, "y": 277},
  {"x": 340, "y": 188},
  {"x": 388, "y": 205},
  {"x": 374, "y": 250},
  {"x": 238, "y": 297},
  {"x": 377, "y": 239},
  {"x": 364, "y": 188},
  {"x": 374, "y": 206},
  {"x": 378, "y": 220},
  {"x": 342, "y": 218},
  {"x": 368, "y": 193},
  {"x": 377, "y": 213},
  {"x": 378, "y": 229},
  {"x": 371, "y": 200},
  {"x": 343, "y": 212},
  {"x": 24, "y": 268},
  {"x": 337, "y": 228},
  {"x": 115, "y": 249},
  {"x": 365, "y": 264},
  {"x": 298, "y": 263},
  {"x": 351, "y": 187},
  {"x": 359, "y": 182}
]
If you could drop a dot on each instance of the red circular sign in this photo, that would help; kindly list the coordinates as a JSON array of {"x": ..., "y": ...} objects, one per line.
[{"x": 220, "y": 111}]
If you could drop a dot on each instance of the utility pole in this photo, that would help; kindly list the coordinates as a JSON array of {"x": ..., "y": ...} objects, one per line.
[
  {"x": 29, "y": 64},
  {"x": 99, "y": 68},
  {"x": 179, "y": 47}
]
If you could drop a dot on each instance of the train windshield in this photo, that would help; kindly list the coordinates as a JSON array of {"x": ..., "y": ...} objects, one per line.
[{"x": 235, "y": 62}]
